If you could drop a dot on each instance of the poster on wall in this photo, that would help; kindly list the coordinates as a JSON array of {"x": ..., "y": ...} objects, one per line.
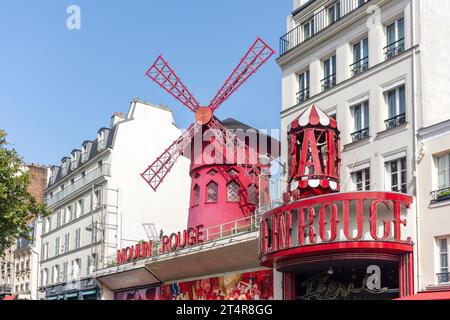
[
  {"x": 256, "y": 285},
  {"x": 138, "y": 294}
]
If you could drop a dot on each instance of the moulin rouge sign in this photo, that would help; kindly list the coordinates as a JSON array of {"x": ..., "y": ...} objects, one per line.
[
  {"x": 376, "y": 216},
  {"x": 176, "y": 241}
]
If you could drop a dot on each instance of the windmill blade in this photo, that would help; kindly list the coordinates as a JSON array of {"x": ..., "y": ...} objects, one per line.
[
  {"x": 163, "y": 74},
  {"x": 158, "y": 170},
  {"x": 255, "y": 57},
  {"x": 237, "y": 147}
]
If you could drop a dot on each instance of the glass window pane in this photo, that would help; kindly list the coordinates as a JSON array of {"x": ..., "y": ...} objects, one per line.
[
  {"x": 392, "y": 103},
  {"x": 401, "y": 91},
  {"x": 357, "y": 52},
  {"x": 401, "y": 28},
  {"x": 443, "y": 245},
  {"x": 357, "y": 115},
  {"x": 366, "y": 115},
  {"x": 390, "y": 33},
  {"x": 365, "y": 47}
]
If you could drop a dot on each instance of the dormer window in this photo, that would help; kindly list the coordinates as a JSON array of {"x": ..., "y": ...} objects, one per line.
[
  {"x": 64, "y": 165},
  {"x": 84, "y": 153},
  {"x": 101, "y": 140},
  {"x": 73, "y": 161}
]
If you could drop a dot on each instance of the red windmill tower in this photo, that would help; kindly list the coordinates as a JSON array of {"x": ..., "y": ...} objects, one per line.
[{"x": 221, "y": 190}]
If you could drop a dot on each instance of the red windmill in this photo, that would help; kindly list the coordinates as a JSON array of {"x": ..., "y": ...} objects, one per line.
[{"x": 163, "y": 74}]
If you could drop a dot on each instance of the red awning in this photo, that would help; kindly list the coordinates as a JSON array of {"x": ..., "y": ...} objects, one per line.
[
  {"x": 11, "y": 297},
  {"x": 430, "y": 295}
]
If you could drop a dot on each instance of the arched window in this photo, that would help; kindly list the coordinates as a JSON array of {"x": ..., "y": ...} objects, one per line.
[
  {"x": 212, "y": 192},
  {"x": 196, "y": 196},
  {"x": 253, "y": 195},
  {"x": 233, "y": 192}
]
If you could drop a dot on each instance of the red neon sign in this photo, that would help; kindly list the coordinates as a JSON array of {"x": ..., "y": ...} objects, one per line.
[{"x": 327, "y": 219}]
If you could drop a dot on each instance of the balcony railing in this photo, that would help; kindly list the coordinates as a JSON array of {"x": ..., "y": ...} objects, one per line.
[
  {"x": 394, "y": 49},
  {"x": 360, "y": 134},
  {"x": 359, "y": 66},
  {"x": 318, "y": 22},
  {"x": 102, "y": 171},
  {"x": 443, "y": 277},
  {"x": 440, "y": 195},
  {"x": 395, "y": 121},
  {"x": 303, "y": 95},
  {"x": 328, "y": 82}
]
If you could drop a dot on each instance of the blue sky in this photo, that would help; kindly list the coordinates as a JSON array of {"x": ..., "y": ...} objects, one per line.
[{"x": 59, "y": 86}]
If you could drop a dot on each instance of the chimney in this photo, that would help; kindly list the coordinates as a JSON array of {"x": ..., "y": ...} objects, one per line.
[{"x": 114, "y": 119}]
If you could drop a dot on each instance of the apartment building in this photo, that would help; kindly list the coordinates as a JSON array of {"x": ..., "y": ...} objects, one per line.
[
  {"x": 434, "y": 206},
  {"x": 377, "y": 67},
  {"x": 100, "y": 202}
]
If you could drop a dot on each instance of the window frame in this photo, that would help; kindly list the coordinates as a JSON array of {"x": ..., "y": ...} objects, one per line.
[{"x": 399, "y": 184}]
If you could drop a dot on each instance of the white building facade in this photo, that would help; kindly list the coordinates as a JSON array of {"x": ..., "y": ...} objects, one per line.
[
  {"x": 378, "y": 68},
  {"x": 100, "y": 203}
]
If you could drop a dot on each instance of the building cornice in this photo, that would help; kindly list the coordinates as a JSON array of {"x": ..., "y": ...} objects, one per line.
[{"x": 435, "y": 130}]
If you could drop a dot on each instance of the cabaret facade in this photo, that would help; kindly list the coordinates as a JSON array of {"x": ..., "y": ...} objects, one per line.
[{"x": 320, "y": 244}]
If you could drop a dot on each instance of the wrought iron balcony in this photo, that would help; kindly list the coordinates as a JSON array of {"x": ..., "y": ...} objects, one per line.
[
  {"x": 394, "y": 49},
  {"x": 440, "y": 195},
  {"x": 328, "y": 82},
  {"x": 320, "y": 21},
  {"x": 395, "y": 121},
  {"x": 303, "y": 95},
  {"x": 359, "y": 66},
  {"x": 360, "y": 134},
  {"x": 443, "y": 277},
  {"x": 103, "y": 171}
]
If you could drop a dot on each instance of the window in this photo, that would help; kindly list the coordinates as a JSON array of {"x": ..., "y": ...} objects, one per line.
[
  {"x": 361, "y": 179},
  {"x": 96, "y": 199},
  {"x": 66, "y": 242},
  {"x": 80, "y": 207},
  {"x": 75, "y": 269},
  {"x": 101, "y": 140},
  {"x": 212, "y": 192},
  {"x": 84, "y": 153},
  {"x": 444, "y": 172},
  {"x": 334, "y": 12},
  {"x": 308, "y": 29},
  {"x": 397, "y": 173},
  {"x": 27, "y": 287},
  {"x": 58, "y": 219},
  {"x": 73, "y": 161},
  {"x": 329, "y": 73},
  {"x": 395, "y": 35},
  {"x": 196, "y": 194},
  {"x": 55, "y": 274},
  {"x": 303, "y": 83},
  {"x": 77, "y": 238},
  {"x": 65, "y": 271},
  {"x": 233, "y": 194},
  {"x": 360, "y": 57},
  {"x": 45, "y": 255},
  {"x": 443, "y": 275},
  {"x": 70, "y": 212},
  {"x": 253, "y": 196},
  {"x": 361, "y": 121},
  {"x": 396, "y": 107},
  {"x": 57, "y": 248},
  {"x": 48, "y": 225}
]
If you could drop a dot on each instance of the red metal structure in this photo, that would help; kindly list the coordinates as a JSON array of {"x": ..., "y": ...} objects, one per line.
[{"x": 235, "y": 176}]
